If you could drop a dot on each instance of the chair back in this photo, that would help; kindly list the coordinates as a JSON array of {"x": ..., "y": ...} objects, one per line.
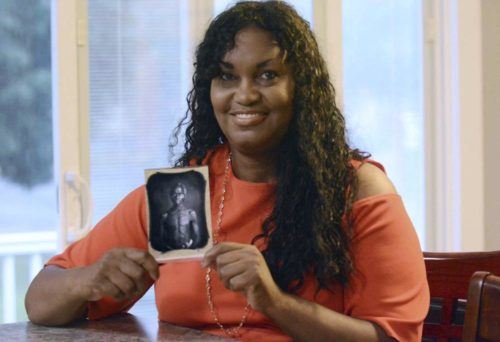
[
  {"x": 482, "y": 317},
  {"x": 448, "y": 275}
]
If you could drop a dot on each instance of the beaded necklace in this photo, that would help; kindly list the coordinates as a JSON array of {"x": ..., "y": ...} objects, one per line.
[{"x": 231, "y": 332}]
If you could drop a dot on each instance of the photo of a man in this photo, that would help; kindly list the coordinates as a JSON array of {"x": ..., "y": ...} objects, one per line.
[
  {"x": 180, "y": 224},
  {"x": 177, "y": 212}
]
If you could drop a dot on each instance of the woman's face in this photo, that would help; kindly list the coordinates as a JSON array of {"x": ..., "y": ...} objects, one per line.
[{"x": 253, "y": 95}]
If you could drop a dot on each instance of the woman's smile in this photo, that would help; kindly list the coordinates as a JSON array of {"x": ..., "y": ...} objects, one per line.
[{"x": 248, "y": 119}]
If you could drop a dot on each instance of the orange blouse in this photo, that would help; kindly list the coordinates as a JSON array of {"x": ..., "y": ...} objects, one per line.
[{"x": 388, "y": 287}]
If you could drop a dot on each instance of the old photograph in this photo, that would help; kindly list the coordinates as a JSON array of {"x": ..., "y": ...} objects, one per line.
[{"x": 179, "y": 217}]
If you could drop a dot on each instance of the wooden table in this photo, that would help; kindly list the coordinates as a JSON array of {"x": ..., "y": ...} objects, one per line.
[{"x": 121, "y": 327}]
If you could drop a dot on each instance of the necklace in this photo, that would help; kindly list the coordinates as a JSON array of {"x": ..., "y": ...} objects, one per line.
[{"x": 231, "y": 332}]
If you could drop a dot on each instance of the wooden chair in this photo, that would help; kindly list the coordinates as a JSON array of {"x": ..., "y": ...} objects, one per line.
[
  {"x": 482, "y": 317},
  {"x": 448, "y": 275}
]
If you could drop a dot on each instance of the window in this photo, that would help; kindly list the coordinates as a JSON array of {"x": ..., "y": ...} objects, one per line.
[
  {"x": 383, "y": 92},
  {"x": 135, "y": 92},
  {"x": 28, "y": 210}
]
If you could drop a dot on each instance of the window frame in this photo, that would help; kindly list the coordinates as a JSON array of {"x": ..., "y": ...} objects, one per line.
[
  {"x": 70, "y": 110},
  {"x": 453, "y": 129}
]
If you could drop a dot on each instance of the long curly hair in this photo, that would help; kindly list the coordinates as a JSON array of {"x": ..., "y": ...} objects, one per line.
[{"x": 305, "y": 233}]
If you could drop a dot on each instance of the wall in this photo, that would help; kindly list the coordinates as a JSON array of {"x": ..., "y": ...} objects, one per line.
[{"x": 491, "y": 106}]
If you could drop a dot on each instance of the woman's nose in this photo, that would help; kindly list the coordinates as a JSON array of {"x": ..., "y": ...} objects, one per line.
[{"x": 246, "y": 93}]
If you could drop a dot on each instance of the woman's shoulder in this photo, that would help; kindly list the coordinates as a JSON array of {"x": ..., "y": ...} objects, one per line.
[{"x": 372, "y": 180}]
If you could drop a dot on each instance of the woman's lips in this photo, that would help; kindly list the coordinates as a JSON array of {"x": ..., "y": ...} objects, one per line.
[{"x": 248, "y": 119}]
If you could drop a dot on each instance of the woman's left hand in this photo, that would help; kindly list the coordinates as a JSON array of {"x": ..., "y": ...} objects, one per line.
[{"x": 242, "y": 268}]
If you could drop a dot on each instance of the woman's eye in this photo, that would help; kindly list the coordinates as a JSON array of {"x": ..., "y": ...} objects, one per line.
[
  {"x": 226, "y": 76},
  {"x": 268, "y": 75}
]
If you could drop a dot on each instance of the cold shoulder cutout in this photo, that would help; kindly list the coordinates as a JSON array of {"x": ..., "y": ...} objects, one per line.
[{"x": 372, "y": 181}]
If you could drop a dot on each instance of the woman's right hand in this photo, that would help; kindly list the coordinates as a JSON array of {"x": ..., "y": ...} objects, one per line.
[
  {"x": 59, "y": 296},
  {"x": 120, "y": 273}
]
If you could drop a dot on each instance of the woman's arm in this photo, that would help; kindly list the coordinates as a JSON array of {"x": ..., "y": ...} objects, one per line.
[
  {"x": 59, "y": 296},
  {"x": 309, "y": 321},
  {"x": 54, "y": 297}
]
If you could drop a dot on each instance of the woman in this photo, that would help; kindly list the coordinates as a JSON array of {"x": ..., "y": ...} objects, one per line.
[{"x": 312, "y": 242}]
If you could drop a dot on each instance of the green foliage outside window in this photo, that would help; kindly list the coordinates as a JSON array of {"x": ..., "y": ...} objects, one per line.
[{"x": 25, "y": 92}]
